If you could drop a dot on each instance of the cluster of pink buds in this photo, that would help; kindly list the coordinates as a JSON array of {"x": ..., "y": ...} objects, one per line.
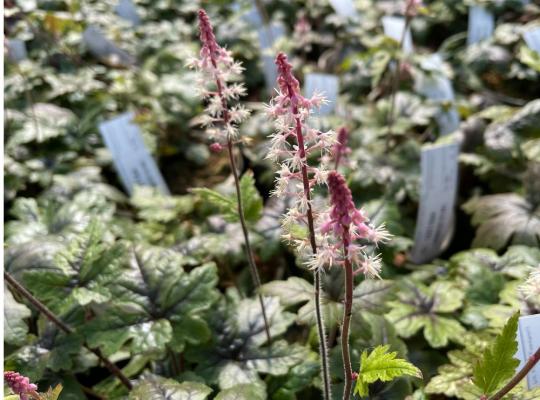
[
  {"x": 341, "y": 227},
  {"x": 293, "y": 143},
  {"x": 217, "y": 84},
  {"x": 20, "y": 385},
  {"x": 341, "y": 148}
]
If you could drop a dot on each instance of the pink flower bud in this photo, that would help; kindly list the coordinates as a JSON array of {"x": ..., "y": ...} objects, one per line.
[
  {"x": 19, "y": 384},
  {"x": 216, "y": 147},
  {"x": 341, "y": 148}
]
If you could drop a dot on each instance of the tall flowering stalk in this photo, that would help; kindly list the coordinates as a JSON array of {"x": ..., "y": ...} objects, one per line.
[
  {"x": 341, "y": 148},
  {"x": 21, "y": 385},
  {"x": 291, "y": 145},
  {"x": 410, "y": 10},
  {"x": 218, "y": 72},
  {"x": 339, "y": 229}
]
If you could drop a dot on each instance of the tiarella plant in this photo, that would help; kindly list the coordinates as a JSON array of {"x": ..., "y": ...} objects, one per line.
[
  {"x": 291, "y": 145},
  {"x": 219, "y": 70},
  {"x": 339, "y": 229},
  {"x": 143, "y": 296},
  {"x": 21, "y": 385},
  {"x": 24, "y": 390},
  {"x": 341, "y": 148}
]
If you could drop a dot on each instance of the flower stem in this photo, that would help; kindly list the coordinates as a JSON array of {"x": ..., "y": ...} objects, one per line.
[
  {"x": 251, "y": 259},
  {"x": 67, "y": 329},
  {"x": 531, "y": 362},
  {"x": 395, "y": 86},
  {"x": 347, "y": 311},
  {"x": 325, "y": 370}
]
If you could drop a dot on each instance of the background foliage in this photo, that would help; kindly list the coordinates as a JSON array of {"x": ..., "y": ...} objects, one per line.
[{"x": 160, "y": 283}]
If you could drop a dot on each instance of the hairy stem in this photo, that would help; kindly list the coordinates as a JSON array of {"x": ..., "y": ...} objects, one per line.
[
  {"x": 531, "y": 362},
  {"x": 67, "y": 329},
  {"x": 395, "y": 86},
  {"x": 325, "y": 370},
  {"x": 251, "y": 259},
  {"x": 347, "y": 311}
]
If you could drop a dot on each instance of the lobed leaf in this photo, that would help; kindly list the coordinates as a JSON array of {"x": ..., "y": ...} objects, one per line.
[
  {"x": 382, "y": 365},
  {"x": 498, "y": 363}
]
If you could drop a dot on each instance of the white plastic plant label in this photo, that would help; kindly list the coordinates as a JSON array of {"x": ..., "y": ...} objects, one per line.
[
  {"x": 438, "y": 186},
  {"x": 436, "y": 86},
  {"x": 267, "y": 37},
  {"x": 127, "y": 10},
  {"x": 532, "y": 38},
  {"x": 326, "y": 84},
  {"x": 16, "y": 50},
  {"x": 131, "y": 158},
  {"x": 393, "y": 27},
  {"x": 253, "y": 17},
  {"x": 528, "y": 338},
  {"x": 481, "y": 25},
  {"x": 344, "y": 8},
  {"x": 104, "y": 49}
]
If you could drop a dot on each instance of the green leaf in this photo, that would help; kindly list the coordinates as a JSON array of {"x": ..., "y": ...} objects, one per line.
[
  {"x": 370, "y": 295},
  {"x": 498, "y": 363},
  {"x": 81, "y": 271},
  {"x": 15, "y": 327},
  {"x": 239, "y": 350},
  {"x": 155, "y": 206},
  {"x": 47, "y": 121},
  {"x": 454, "y": 379},
  {"x": 52, "y": 394},
  {"x": 251, "y": 199},
  {"x": 290, "y": 292},
  {"x": 151, "y": 295},
  {"x": 153, "y": 387},
  {"x": 228, "y": 205},
  {"x": 420, "y": 307},
  {"x": 242, "y": 392},
  {"x": 529, "y": 57},
  {"x": 504, "y": 219},
  {"x": 300, "y": 377},
  {"x": 382, "y": 365}
]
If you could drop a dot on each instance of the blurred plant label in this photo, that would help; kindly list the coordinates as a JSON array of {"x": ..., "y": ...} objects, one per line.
[
  {"x": 393, "y": 28},
  {"x": 481, "y": 25},
  {"x": 253, "y": 17},
  {"x": 267, "y": 37},
  {"x": 436, "y": 86},
  {"x": 434, "y": 224},
  {"x": 326, "y": 84},
  {"x": 528, "y": 338},
  {"x": 132, "y": 161},
  {"x": 532, "y": 38},
  {"x": 104, "y": 49},
  {"x": 16, "y": 50},
  {"x": 127, "y": 10},
  {"x": 344, "y": 8}
]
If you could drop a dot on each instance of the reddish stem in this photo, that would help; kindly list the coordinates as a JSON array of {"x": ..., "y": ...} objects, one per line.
[
  {"x": 531, "y": 362},
  {"x": 347, "y": 312},
  {"x": 316, "y": 274}
]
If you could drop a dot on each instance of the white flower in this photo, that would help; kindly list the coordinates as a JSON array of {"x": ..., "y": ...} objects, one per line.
[{"x": 531, "y": 287}]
